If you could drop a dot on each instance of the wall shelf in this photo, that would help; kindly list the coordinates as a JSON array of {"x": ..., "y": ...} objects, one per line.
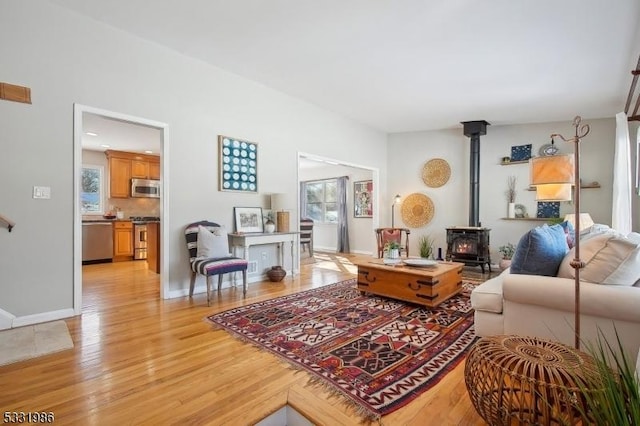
[
  {"x": 591, "y": 185},
  {"x": 539, "y": 219},
  {"x": 514, "y": 162}
]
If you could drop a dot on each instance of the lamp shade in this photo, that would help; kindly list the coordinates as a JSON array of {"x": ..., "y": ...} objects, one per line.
[
  {"x": 585, "y": 220},
  {"x": 553, "y": 192},
  {"x": 556, "y": 169}
]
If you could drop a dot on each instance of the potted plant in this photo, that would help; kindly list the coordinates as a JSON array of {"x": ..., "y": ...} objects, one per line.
[
  {"x": 426, "y": 246},
  {"x": 392, "y": 248},
  {"x": 269, "y": 225},
  {"x": 611, "y": 388},
  {"x": 506, "y": 251}
]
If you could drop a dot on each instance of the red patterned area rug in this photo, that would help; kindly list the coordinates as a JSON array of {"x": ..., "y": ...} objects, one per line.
[{"x": 378, "y": 352}]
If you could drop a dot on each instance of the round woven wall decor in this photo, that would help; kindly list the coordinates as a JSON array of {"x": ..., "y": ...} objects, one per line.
[
  {"x": 417, "y": 210},
  {"x": 436, "y": 172}
]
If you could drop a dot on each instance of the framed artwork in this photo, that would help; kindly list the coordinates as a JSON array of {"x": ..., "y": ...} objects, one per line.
[
  {"x": 548, "y": 209},
  {"x": 520, "y": 152},
  {"x": 248, "y": 219},
  {"x": 363, "y": 198},
  {"x": 238, "y": 166}
]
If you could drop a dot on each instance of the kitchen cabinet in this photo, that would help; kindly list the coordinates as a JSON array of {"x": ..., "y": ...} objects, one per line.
[
  {"x": 154, "y": 169},
  {"x": 140, "y": 169},
  {"x": 122, "y": 241},
  {"x": 119, "y": 178},
  {"x": 123, "y": 166}
]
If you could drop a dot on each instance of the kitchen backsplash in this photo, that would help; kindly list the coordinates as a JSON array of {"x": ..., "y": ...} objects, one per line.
[{"x": 135, "y": 206}]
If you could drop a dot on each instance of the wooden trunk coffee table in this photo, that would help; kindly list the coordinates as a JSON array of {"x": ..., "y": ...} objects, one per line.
[{"x": 428, "y": 286}]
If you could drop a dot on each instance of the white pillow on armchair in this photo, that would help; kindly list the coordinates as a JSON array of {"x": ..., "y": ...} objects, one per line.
[{"x": 212, "y": 244}]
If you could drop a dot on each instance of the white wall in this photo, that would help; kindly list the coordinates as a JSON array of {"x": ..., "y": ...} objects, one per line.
[
  {"x": 409, "y": 151},
  {"x": 361, "y": 235},
  {"x": 65, "y": 59}
]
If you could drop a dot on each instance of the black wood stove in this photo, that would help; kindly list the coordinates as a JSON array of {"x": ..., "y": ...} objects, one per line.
[{"x": 470, "y": 244}]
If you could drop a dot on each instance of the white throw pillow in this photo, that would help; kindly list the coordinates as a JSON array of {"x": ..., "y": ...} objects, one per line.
[
  {"x": 212, "y": 243},
  {"x": 609, "y": 259}
]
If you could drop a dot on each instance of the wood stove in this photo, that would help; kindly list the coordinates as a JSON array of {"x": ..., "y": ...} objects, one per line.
[{"x": 469, "y": 245}]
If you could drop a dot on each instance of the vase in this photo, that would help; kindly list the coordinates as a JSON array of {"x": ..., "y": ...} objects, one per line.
[
  {"x": 504, "y": 264},
  {"x": 511, "y": 211},
  {"x": 269, "y": 227},
  {"x": 276, "y": 273},
  {"x": 393, "y": 254}
]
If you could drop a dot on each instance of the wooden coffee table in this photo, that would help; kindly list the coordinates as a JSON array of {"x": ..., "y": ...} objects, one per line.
[{"x": 428, "y": 286}]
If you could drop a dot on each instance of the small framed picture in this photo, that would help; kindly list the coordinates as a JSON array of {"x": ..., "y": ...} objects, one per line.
[
  {"x": 363, "y": 198},
  {"x": 248, "y": 219}
]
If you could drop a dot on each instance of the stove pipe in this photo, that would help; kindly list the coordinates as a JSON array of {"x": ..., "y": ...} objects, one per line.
[{"x": 473, "y": 130}]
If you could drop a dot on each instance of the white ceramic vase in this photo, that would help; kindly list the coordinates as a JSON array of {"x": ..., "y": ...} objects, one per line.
[
  {"x": 394, "y": 254},
  {"x": 511, "y": 211},
  {"x": 269, "y": 227}
]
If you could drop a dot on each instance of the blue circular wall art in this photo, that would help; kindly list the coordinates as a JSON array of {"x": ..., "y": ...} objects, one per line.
[{"x": 238, "y": 165}]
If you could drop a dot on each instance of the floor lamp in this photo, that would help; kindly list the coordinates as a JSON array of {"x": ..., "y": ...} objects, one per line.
[
  {"x": 396, "y": 200},
  {"x": 553, "y": 176}
]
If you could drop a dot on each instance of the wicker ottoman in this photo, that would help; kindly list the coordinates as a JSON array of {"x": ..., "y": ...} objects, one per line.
[{"x": 526, "y": 380}]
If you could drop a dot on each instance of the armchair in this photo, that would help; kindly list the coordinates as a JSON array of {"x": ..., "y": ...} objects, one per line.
[
  {"x": 385, "y": 235},
  {"x": 208, "y": 246}
]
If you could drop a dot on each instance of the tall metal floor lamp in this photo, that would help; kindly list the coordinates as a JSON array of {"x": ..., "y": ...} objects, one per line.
[
  {"x": 396, "y": 200},
  {"x": 553, "y": 176}
]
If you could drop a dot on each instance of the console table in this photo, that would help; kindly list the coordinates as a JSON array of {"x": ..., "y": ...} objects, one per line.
[{"x": 246, "y": 240}]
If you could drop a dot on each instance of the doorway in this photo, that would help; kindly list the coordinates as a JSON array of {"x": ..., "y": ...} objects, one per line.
[
  {"x": 82, "y": 114},
  {"x": 361, "y": 229}
]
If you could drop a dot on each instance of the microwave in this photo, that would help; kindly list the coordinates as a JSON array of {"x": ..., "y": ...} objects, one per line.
[{"x": 145, "y": 188}]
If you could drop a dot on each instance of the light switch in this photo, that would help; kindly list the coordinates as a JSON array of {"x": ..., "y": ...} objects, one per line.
[{"x": 43, "y": 192}]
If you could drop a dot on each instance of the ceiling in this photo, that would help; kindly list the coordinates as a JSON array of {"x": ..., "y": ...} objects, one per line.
[
  {"x": 407, "y": 65},
  {"x": 100, "y": 133}
]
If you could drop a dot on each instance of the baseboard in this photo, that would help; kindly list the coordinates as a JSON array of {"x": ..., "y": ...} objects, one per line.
[
  {"x": 326, "y": 249},
  {"x": 43, "y": 317},
  {"x": 363, "y": 252},
  {"x": 6, "y": 319},
  {"x": 201, "y": 285}
]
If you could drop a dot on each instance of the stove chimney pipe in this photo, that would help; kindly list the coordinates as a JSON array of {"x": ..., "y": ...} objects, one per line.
[{"x": 473, "y": 130}]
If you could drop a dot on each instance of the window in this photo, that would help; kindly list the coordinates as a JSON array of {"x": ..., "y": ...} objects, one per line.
[
  {"x": 322, "y": 205},
  {"x": 91, "y": 190}
]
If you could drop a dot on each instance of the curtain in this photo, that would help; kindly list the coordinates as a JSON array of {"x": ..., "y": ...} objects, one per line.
[
  {"x": 343, "y": 216},
  {"x": 621, "y": 211},
  {"x": 303, "y": 199}
]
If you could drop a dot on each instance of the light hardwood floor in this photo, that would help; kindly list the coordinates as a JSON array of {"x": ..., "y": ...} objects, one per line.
[{"x": 141, "y": 360}]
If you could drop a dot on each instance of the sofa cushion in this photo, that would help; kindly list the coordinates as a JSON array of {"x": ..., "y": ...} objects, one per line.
[
  {"x": 488, "y": 295},
  {"x": 540, "y": 251},
  {"x": 609, "y": 258}
]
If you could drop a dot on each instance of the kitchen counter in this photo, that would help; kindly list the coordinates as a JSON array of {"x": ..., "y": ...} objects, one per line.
[{"x": 101, "y": 219}]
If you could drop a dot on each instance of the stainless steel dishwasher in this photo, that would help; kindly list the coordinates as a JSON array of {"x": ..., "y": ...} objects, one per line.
[{"x": 97, "y": 242}]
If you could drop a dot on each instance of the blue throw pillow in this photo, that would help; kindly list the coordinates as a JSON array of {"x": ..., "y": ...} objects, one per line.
[{"x": 540, "y": 251}]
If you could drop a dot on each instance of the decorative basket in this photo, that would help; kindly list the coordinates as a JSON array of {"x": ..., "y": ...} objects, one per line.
[
  {"x": 436, "y": 172},
  {"x": 276, "y": 273},
  {"x": 417, "y": 210}
]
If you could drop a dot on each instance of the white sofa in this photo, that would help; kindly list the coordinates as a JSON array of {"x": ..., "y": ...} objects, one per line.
[{"x": 542, "y": 306}]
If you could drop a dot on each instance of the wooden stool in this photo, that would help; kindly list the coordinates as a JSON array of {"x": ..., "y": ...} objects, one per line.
[{"x": 526, "y": 380}]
